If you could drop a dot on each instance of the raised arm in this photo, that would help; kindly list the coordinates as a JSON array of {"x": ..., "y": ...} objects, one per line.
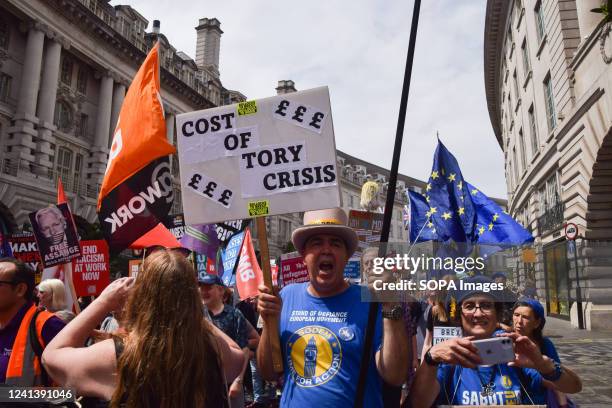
[
  {"x": 392, "y": 358},
  {"x": 91, "y": 370}
]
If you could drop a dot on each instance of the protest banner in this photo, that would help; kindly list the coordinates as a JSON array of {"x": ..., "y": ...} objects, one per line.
[
  {"x": 283, "y": 147},
  {"x": 205, "y": 265},
  {"x": 56, "y": 235},
  {"x": 24, "y": 248},
  {"x": 136, "y": 192},
  {"x": 352, "y": 270},
  {"x": 229, "y": 257},
  {"x": 367, "y": 225},
  {"x": 5, "y": 247},
  {"x": 226, "y": 230},
  {"x": 91, "y": 272},
  {"x": 248, "y": 273},
  {"x": 293, "y": 269},
  {"x": 176, "y": 225},
  {"x": 134, "y": 267}
]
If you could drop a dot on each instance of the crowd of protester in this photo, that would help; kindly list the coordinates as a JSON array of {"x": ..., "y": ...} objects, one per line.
[{"x": 172, "y": 338}]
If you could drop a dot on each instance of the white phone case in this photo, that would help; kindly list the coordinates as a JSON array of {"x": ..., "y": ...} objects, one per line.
[{"x": 495, "y": 350}]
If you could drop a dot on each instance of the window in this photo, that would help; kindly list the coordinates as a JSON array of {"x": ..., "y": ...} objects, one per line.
[
  {"x": 518, "y": 8},
  {"x": 81, "y": 129},
  {"x": 525, "y": 52},
  {"x": 4, "y": 34},
  {"x": 64, "y": 166},
  {"x": 515, "y": 161},
  {"x": 522, "y": 147},
  {"x": 516, "y": 89},
  {"x": 533, "y": 129},
  {"x": 82, "y": 80},
  {"x": 63, "y": 116},
  {"x": 509, "y": 177},
  {"x": 5, "y": 87},
  {"x": 550, "y": 103},
  {"x": 66, "y": 71},
  {"x": 539, "y": 14},
  {"x": 78, "y": 170}
]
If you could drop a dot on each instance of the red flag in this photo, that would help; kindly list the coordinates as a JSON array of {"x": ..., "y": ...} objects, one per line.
[
  {"x": 61, "y": 196},
  {"x": 248, "y": 273},
  {"x": 159, "y": 235},
  {"x": 136, "y": 192}
]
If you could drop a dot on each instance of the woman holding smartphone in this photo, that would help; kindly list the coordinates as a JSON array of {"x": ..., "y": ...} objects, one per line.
[{"x": 452, "y": 370}]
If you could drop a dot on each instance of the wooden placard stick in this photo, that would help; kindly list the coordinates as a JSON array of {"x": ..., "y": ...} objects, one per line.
[
  {"x": 262, "y": 237},
  {"x": 69, "y": 282}
]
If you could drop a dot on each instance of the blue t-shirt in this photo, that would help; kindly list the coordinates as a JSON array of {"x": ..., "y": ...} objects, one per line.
[
  {"x": 466, "y": 385},
  {"x": 549, "y": 350},
  {"x": 322, "y": 341}
]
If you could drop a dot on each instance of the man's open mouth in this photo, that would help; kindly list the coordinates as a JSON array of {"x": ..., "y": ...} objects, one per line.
[{"x": 326, "y": 266}]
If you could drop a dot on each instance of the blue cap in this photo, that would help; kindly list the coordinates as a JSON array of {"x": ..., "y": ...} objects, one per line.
[{"x": 209, "y": 279}]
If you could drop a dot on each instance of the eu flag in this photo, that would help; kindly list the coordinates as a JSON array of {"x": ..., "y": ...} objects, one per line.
[
  {"x": 450, "y": 206},
  {"x": 421, "y": 226},
  {"x": 493, "y": 225}
]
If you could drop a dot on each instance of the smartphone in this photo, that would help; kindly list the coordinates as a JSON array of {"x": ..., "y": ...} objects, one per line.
[{"x": 495, "y": 350}]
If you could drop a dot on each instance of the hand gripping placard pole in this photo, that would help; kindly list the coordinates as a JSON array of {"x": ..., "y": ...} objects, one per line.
[{"x": 264, "y": 253}]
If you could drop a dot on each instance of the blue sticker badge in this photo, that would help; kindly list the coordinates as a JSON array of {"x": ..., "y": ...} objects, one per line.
[{"x": 346, "y": 334}]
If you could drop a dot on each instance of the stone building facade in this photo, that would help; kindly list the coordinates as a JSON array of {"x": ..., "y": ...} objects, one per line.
[
  {"x": 65, "y": 66},
  {"x": 548, "y": 82}
]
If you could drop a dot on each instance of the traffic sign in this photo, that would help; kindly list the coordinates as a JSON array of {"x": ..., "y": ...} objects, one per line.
[{"x": 571, "y": 231}]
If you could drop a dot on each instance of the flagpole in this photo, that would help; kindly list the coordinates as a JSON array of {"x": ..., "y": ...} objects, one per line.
[
  {"x": 264, "y": 252},
  {"x": 384, "y": 234}
]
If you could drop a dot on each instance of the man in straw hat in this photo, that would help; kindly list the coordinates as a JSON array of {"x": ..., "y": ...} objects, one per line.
[{"x": 323, "y": 322}]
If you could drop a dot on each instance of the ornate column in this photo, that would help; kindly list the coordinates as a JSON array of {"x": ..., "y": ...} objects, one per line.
[
  {"x": 118, "y": 96},
  {"x": 22, "y": 133},
  {"x": 99, "y": 152},
  {"x": 46, "y": 106}
]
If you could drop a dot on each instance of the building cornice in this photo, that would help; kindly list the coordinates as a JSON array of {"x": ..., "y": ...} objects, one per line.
[
  {"x": 494, "y": 35},
  {"x": 86, "y": 20}
]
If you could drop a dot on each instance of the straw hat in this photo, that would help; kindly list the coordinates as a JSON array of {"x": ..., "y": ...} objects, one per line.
[{"x": 331, "y": 221}]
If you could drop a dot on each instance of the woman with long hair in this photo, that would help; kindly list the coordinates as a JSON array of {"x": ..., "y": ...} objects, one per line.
[
  {"x": 52, "y": 295},
  {"x": 169, "y": 357}
]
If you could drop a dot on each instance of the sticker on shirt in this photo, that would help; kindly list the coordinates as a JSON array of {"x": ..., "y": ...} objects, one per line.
[
  {"x": 314, "y": 356},
  {"x": 346, "y": 333},
  {"x": 506, "y": 382}
]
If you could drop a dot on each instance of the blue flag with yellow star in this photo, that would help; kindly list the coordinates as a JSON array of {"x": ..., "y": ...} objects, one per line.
[
  {"x": 493, "y": 225},
  {"x": 450, "y": 205},
  {"x": 421, "y": 227}
]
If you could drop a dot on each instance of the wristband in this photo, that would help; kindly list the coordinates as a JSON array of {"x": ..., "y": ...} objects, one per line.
[
  {"x": 556, "y": 373},
  {"x": 238, "y": 380},
  {"x": 429, "y": 359}
]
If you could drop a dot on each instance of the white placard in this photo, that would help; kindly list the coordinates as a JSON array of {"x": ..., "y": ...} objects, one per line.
[
  {"x": 275, "y": 155},
  {"x": 442, "y": 333},
  {"x": 210, "y": 189},
  {"x": 231, "y": 142}
]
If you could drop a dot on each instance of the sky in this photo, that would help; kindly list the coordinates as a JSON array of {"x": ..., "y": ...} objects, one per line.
[{"x": 358, "y": 49}]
